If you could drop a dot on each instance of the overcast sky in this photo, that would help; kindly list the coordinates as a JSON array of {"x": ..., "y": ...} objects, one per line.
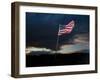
[{"x": 42, "y": 29}]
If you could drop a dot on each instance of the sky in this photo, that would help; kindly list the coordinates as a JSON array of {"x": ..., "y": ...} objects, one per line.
[{"x": 42, "y": 29}]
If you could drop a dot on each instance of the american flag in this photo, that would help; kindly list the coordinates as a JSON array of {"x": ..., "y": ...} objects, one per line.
[{"x": 67, "y": 28}]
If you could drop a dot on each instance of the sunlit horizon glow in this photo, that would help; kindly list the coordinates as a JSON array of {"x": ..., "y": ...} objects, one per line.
[{"x": 80, "y": 42}]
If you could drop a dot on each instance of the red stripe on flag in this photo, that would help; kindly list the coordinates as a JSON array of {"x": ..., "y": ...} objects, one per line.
[{"x": 67, "y": 29}]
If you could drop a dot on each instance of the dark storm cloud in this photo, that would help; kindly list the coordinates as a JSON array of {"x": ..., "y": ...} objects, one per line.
[
  {"x": 42, "y": 28},
  {"x": 78, "y": 43}
]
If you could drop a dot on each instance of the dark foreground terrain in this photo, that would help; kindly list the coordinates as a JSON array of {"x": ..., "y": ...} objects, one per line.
[{"x": 56, "y": 59}]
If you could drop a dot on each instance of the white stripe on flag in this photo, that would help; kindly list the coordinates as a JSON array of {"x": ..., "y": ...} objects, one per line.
[{"x": 67, "y": 29}]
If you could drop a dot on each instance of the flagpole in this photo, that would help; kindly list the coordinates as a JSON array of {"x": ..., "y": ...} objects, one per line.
[
  {"x": 57, "y": 40},
  {"x": 69, "y": 28},
  {"x": 57, "y": 43}
]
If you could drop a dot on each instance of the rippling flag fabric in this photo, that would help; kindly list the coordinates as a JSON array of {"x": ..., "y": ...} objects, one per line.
[{"x": 67, "y": 28}]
